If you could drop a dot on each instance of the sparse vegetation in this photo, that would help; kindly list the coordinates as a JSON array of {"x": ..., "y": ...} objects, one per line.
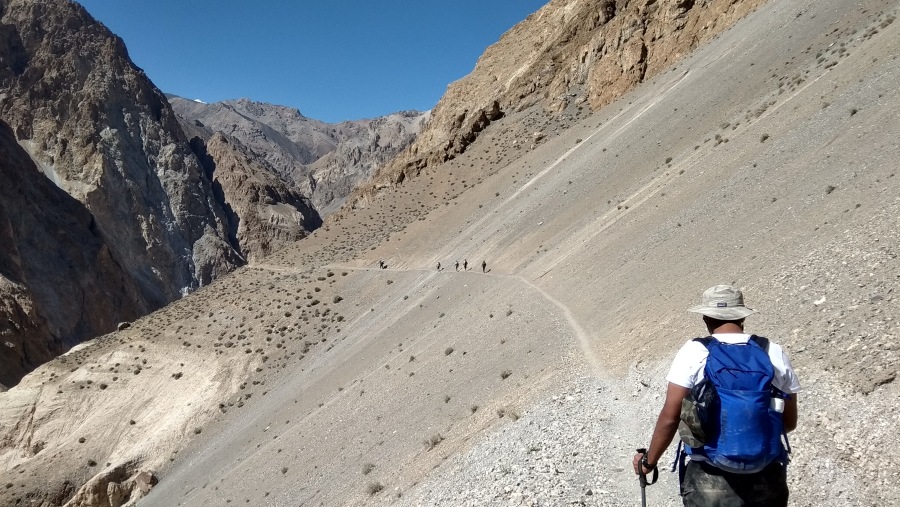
[
  {"x": 433, "y": 441},
  {"x": 508, "y": 411},
  {"x": 367, "y": 467},
  {"x": 374, "y": 487}
]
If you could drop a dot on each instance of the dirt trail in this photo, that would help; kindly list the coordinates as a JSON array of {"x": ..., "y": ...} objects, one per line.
[{"x": 584, "y": 341}]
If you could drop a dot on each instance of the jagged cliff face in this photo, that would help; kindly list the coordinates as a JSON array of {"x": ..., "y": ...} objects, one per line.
[
  {"x": 325, "y": 161},
  {"x": 59, "y": 279},
  {"x": 264, "y": 212},
  {"x": 365, "y": 147},
  {"x": 570, "y": 57},
  {"x": 106, "y": 137}
]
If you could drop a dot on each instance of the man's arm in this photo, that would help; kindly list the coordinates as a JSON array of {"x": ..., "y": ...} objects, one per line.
[
  {"x": 789, "y": 416},
  {"x": 667, "y": 425}
]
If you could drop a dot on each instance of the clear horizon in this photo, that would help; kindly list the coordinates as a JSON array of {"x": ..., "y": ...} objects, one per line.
[{"x": 332, "y": 61}]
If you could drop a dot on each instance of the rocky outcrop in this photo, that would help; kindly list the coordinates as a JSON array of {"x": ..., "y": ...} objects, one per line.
[
  {"x": 113, "y": 488},
  {"x": 365, "y": 147},
  {"x": 264, "y": 212},
  {"x": 571, "y": 56},
  {"x": 325, "y": 161},
  {"x": 132, "y": 199}
]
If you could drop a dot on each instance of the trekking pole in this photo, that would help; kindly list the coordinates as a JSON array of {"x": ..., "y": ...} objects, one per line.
[{"x": 643, "y": 477}]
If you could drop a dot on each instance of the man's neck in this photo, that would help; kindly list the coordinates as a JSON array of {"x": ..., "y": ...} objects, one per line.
[{"x": 727, "y": 328}]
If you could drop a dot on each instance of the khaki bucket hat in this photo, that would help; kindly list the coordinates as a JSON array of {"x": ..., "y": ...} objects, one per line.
[{"x": 722, "y": 302}]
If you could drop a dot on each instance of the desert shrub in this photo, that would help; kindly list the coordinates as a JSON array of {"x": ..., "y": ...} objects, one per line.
[
  {"x": 432, "y": 441},
  {"x": 508, "y": 411}
]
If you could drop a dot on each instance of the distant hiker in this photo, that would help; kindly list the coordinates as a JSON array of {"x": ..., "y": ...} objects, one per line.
[
  {"x": 466, "y": 265},
  {"x": 738, "y": 460},
  {"x": 457, "y": 265},
  {"x": 439, "y": 266},
  {"x": 380, "y": 264},
  {"x": 483, "y": 266}
]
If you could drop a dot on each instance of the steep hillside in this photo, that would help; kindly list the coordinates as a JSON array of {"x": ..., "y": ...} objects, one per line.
[
  {"x": 568, "y": 59},
  {"x": 325, "y": 161},
  {"x": 764, "y": 160},
  {"x": 316, "y": 376}
]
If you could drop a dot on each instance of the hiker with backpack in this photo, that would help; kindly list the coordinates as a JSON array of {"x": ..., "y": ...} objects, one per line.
[{"x": 732, "y": 399}]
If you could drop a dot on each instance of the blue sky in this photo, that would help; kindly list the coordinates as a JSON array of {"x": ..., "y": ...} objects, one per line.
[{"x": 333, "y": 60}]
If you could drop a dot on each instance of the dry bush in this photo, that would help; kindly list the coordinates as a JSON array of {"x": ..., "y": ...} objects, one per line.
[
  {"x": 510, "y": 412},
  {"x": 432, "y": 441}
]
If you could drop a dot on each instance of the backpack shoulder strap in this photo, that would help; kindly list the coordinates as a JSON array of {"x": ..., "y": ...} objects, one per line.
[
  {"x": 705, "y": 341},
  {"x": 763, "y": 342}
]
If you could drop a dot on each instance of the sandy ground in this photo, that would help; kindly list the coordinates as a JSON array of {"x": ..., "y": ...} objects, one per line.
[{"x": 766, "y": 159}]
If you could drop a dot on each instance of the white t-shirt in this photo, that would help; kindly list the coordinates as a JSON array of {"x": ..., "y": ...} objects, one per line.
[{"x": 687, "y": 368}]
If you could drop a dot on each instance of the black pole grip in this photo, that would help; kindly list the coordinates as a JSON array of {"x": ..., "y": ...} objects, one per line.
[{"x": 641, "y": 473}]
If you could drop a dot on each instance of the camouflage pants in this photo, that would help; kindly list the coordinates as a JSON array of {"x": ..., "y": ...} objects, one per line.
[{"x": 707, "y": 486}]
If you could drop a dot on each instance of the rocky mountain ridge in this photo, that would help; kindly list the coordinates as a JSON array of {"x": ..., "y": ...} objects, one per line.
[{"x": 324, "y": 161}]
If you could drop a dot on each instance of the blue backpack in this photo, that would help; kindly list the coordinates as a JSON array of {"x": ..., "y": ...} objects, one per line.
[{"x": 734, "y": 402}]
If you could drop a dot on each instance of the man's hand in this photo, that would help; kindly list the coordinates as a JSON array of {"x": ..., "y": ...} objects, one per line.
[
  {"x": 638, "y": 468},
  {"x": 666, "y": 426}
]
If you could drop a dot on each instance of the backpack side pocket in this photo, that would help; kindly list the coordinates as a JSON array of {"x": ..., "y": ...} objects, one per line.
[{"x": 690, "y": 428}]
